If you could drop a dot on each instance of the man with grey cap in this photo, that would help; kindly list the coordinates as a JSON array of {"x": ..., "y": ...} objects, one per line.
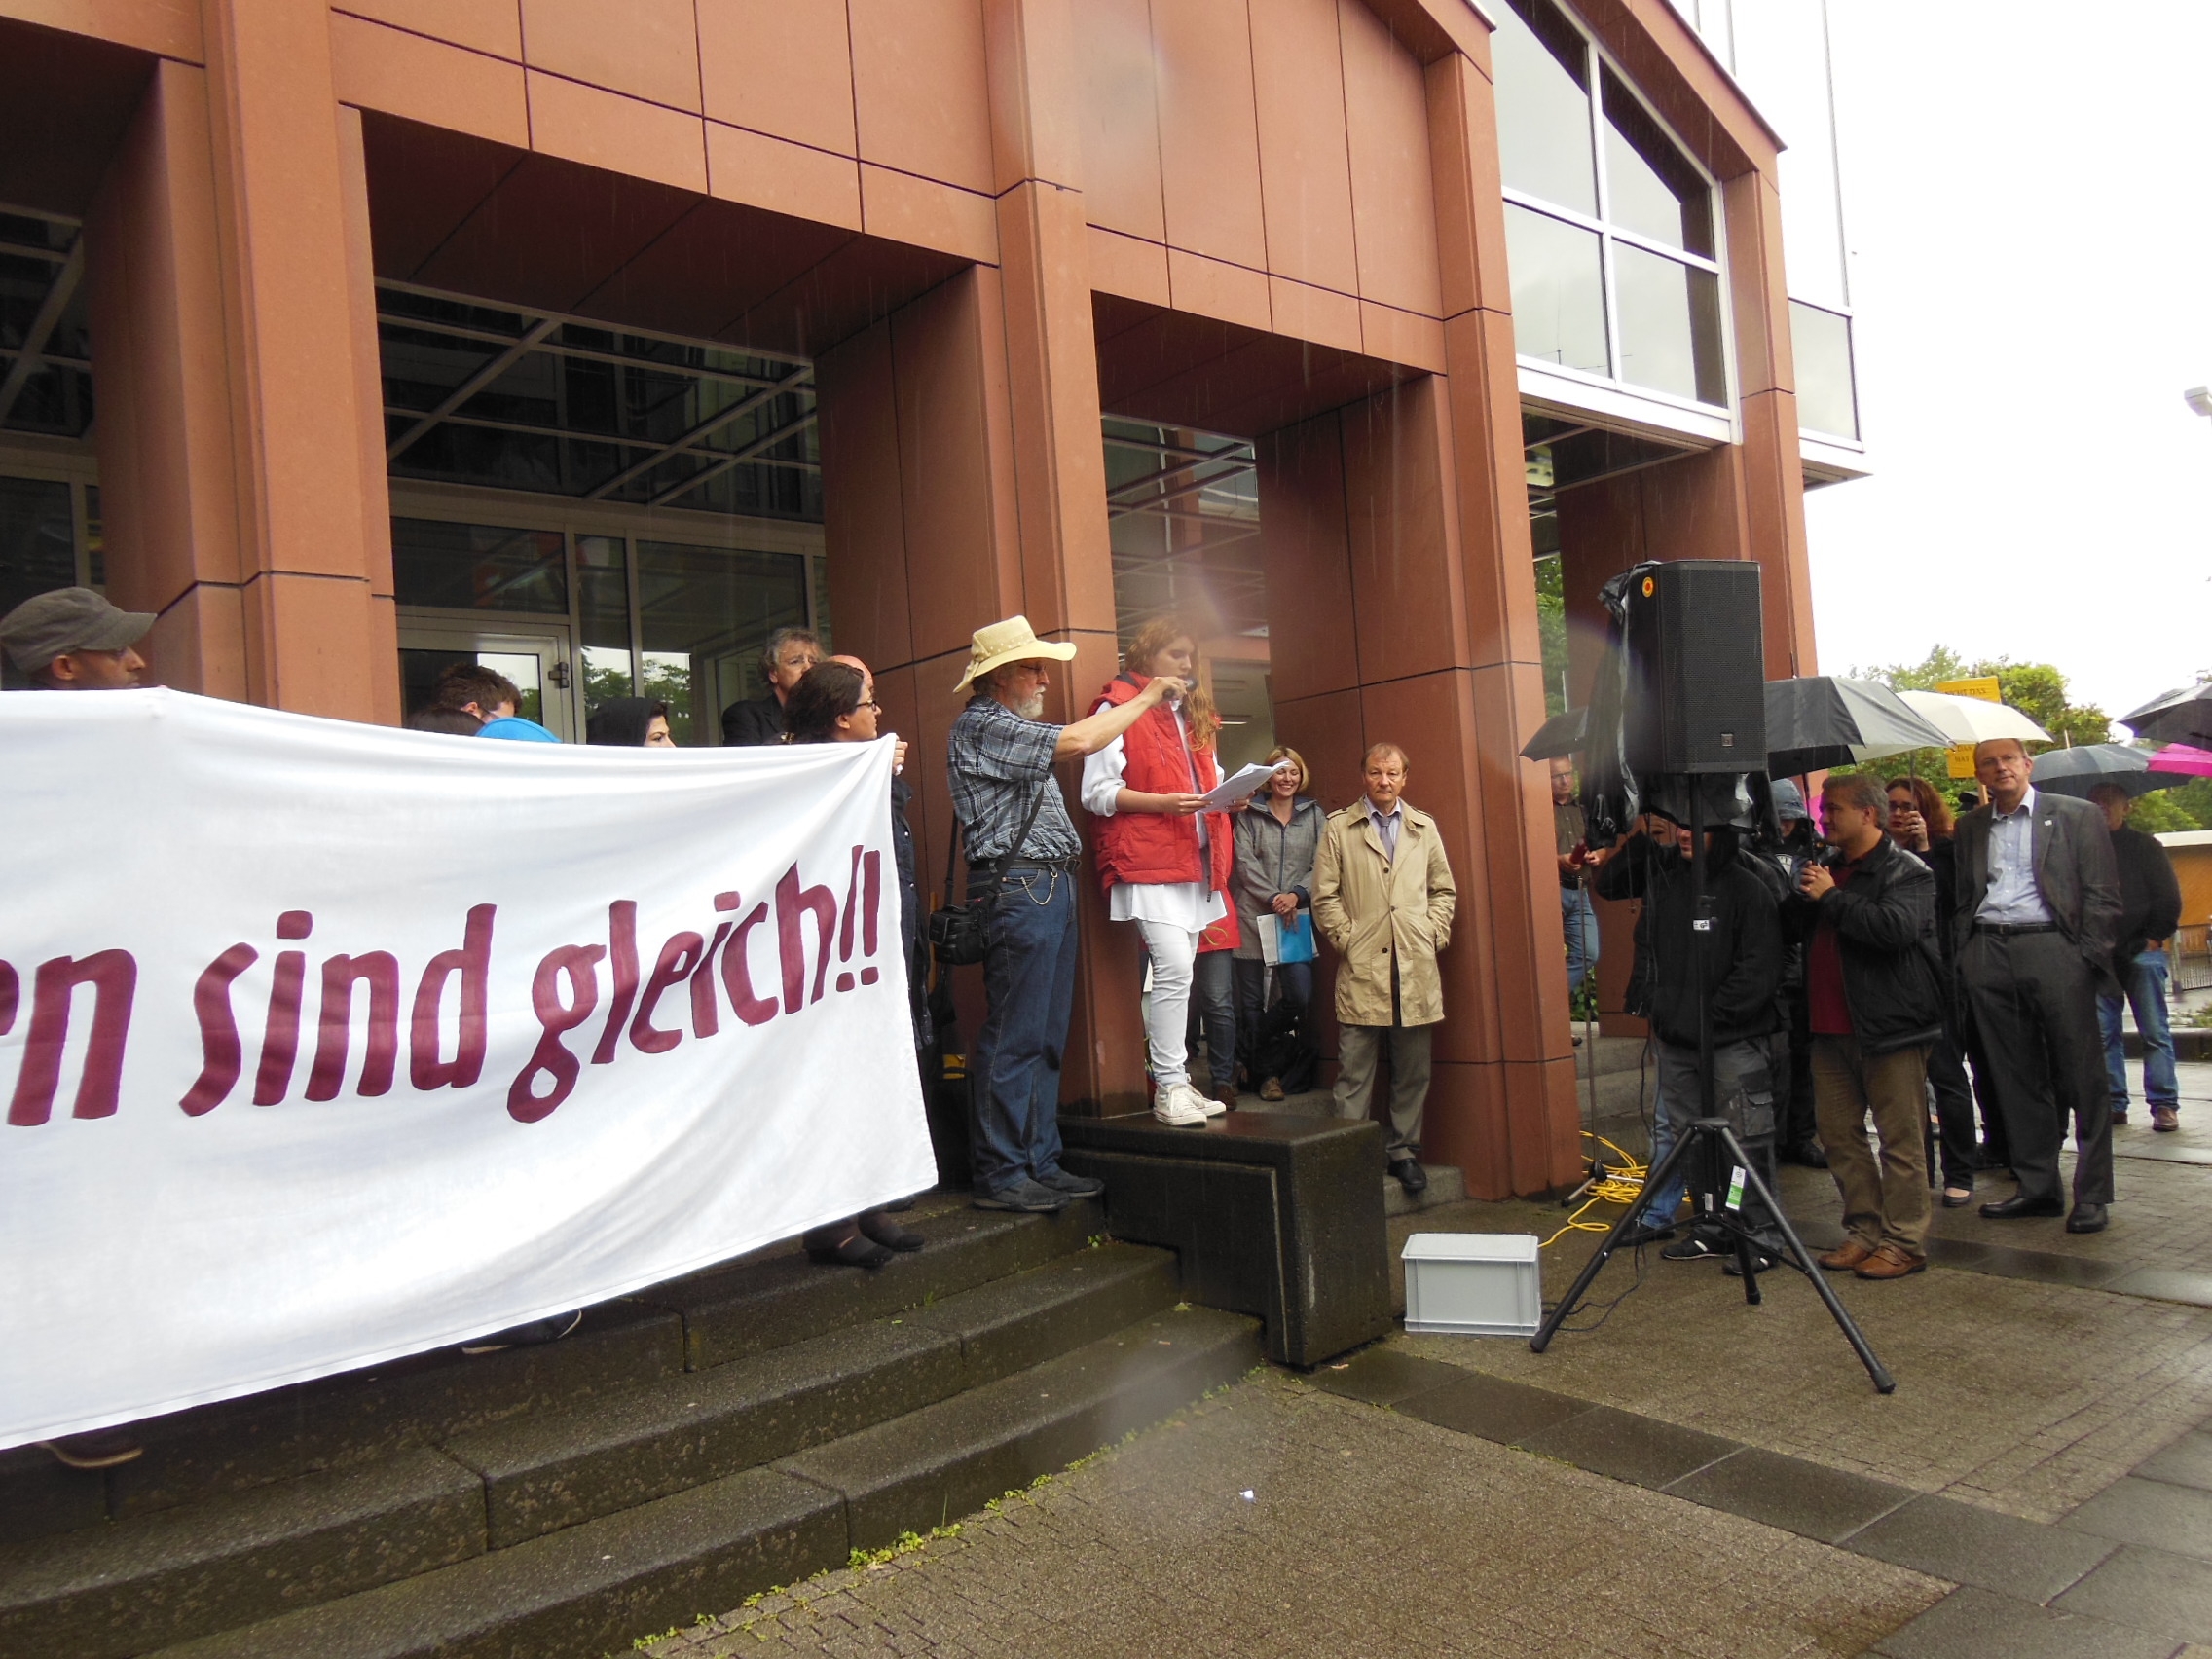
[
  {"x": 72, "y": 640},
  {"x": 1022, "y": 852}
]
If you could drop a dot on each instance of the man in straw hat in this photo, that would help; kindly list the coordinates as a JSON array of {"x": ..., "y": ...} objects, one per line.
[{"x": 1022, "y": 850}]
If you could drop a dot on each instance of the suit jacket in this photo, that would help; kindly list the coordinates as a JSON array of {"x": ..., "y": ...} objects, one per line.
[
  {"x": 749, "y": 724},
  {"x": 2075, "y": 872}
]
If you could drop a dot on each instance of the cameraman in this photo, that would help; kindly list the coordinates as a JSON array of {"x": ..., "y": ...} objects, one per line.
[
  {"x": 1742, "y": 968},
  {"x": 1873, "y": 985}
]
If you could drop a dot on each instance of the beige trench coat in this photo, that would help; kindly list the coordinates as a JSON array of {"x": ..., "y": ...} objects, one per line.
[{"x": 1374, "y": 910}]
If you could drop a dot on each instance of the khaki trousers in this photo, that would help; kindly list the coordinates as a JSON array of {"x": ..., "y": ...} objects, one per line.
[
  {"x": 1885, "y": 1204},
  {"x": 1358, "y": 1046}
]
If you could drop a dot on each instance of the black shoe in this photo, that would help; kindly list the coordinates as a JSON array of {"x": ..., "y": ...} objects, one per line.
[
  {"x": 1694, "y": 1248},
  {"x": 537, "y": 1334},
  {"x": 1760, "y": 1263},
  {"x": 1075, "y": 1185},
  {"x": 1411, "y": 1175},
  {"x": 1024, "y": 1196},
  {"x": 2086, "y": 1218},
  {"x": 101, "y": 1449},
  {"x": 1963, "y": 1197},
  {"x": 853, "y": 1252},
  {"x": 2019, "y": 1207},
  {"x": 875, "y": 1225},
  {"x": 1807, "y": 1153},
  {"x": 1637, "y": 1236},
  {"x": 893, "y": 1207}
]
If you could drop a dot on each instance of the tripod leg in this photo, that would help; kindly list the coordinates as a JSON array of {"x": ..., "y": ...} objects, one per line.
[
  {"x": 1746, "y": 1267},
  {"x": 1884, "y": 1383},
  {"x": 1603, "y": 1253}
]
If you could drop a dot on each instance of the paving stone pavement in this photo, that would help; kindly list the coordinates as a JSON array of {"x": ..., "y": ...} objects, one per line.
[{"x": 1367, "y": 1532}]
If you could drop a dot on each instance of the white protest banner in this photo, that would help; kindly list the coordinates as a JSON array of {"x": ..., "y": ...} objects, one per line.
[{"x": 325, "y": 1043}]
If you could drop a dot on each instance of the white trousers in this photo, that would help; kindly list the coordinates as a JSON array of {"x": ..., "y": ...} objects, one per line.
[{"x": 1167, "y": 1010}]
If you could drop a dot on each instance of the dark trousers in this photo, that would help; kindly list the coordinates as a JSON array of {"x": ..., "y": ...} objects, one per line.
[
  {"x": 1954, "y": 1112},
  {"x": 1213, "y": 1015},
  {"x": 1792, "y": 1048},
  {"x": 1013, "y": 1074},
  {"x": 1294, "y": 982},
  {"x": 1743, "y": 1092},
  {"x": 2035, "y": 1004}
]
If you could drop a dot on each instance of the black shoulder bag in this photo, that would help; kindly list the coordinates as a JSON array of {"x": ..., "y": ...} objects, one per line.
[{"x": 957, "y": 930}]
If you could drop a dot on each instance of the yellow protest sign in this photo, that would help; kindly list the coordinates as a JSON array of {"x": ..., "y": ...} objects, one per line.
[{"x": 1984, "y": 686}]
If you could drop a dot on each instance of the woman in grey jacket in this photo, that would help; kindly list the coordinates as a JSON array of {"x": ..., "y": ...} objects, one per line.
[{"x": 1276, "y": 837}]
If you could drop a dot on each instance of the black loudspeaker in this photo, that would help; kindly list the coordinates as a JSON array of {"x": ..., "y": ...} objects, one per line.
[{"x": 1695, "y": 694}]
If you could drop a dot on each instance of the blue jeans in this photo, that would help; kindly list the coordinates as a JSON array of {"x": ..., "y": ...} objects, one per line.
[
  {"x": 1014, "y": 1086},
  {"x": 2145, "y": 985},
  {"x": 1579, "y": 918},
  {"x": 1662, "y": 1204}
]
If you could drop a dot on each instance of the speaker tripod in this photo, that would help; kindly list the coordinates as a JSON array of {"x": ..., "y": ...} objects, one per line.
[{"x": 1717, "y": 1150}]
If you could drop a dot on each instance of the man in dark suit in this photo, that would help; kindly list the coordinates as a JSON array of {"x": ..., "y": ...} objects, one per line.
[
  {"x": 2036, "y": 906},
  {"x": 784, "y": 661}
]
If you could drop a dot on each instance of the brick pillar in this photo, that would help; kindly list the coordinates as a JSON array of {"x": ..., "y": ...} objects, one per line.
[{"x": 234, "y": 322}]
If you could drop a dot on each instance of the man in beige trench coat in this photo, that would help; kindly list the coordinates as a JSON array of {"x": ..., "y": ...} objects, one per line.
[{"x": 1383, "y": 899}]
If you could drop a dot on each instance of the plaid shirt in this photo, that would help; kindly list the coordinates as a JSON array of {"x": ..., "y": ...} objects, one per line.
[{"x": 999, "y": 761}]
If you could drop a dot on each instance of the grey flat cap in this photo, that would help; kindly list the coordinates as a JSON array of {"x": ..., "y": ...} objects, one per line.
[{"x": 65, "y": 621}]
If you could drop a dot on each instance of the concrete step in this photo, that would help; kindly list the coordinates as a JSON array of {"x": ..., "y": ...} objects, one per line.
[
  {"x": 749, "y": 1306},
  {"x": 586, "y": 1590},
  {"x": 200, "y": 1567},
  {"x": 1447, "y": 1185},
  {"x": 555, "y": 1469}
]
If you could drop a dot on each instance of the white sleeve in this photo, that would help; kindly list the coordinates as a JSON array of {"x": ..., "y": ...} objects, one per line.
[{"x": 1102, "y": 778}]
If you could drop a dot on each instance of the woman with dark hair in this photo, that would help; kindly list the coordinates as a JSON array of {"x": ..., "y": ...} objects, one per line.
[
  {"x": 1164, "y": 859},
  {"x": 835, "y": 703},
  {"x": 1921, "y": 823},
  {"x": 630, "y": 722}
]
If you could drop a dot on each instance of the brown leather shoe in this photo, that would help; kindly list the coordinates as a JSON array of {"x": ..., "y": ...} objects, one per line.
[
  {"x": 1271, "y": 1090},
  {"x": 1848, "y": 1254},
  {"x": 1890, "y": 1263}
]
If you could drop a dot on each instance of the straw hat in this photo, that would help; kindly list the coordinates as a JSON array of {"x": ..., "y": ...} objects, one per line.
[{"x": 1002, "y": 643}]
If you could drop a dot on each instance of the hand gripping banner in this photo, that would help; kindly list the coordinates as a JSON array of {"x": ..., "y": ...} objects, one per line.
[{"x": 324, "y": 1043}]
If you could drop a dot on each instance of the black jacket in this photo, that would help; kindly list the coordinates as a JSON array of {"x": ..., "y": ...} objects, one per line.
[
  {"x": 2150, "y": 897},
  {"x": 749, "y": 725},
  {"x": 1893, "y": 962},
  {"x": 1743, "y": 952}
]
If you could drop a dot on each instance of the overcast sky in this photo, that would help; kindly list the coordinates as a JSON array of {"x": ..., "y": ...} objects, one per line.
[{"x": 2027, "y": 204}]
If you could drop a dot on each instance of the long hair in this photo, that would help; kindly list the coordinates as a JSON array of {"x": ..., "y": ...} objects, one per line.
[
  {"x": 1155, "y": 637},
  {"x": 829, "y": 690},
  {"x": 1934, "y": 810}
]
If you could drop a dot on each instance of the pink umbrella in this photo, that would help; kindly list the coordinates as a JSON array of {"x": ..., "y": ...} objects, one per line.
[{"x": 2183, "y": 758}]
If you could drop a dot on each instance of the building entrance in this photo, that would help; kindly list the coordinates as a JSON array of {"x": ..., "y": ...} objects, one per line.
[{"x": 537, "y": 661}]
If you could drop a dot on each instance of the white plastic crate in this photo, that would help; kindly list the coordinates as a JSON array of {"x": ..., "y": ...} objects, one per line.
[{"x": 1473, "y": 1284}]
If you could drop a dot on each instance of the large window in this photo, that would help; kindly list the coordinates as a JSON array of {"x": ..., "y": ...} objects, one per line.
[
  {"x": 1828, "y": 398},
  {"x": 1610, "y": 228}
]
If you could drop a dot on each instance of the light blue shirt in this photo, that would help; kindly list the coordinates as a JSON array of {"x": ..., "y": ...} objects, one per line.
[
  {"x": 1387, "y": 827},
  {"x": 2013, "y": 899}
]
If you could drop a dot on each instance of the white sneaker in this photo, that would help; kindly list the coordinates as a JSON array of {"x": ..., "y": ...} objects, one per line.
[
  {"x": 1180, "y": 1105},
  {"x": 1212, "y": 1107}
]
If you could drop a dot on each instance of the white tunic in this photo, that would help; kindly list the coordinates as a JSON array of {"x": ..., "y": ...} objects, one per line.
[{"x": 1188, "y": 905}]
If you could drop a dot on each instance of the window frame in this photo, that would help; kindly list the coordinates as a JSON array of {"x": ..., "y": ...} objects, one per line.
[{"x": 1602, "y": 66}]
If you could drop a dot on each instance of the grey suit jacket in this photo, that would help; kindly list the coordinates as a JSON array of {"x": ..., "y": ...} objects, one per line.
[{"x": 2075, "y": 872}]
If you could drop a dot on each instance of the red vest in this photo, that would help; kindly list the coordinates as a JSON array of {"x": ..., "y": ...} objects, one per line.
[{"x": 1141, "y": 847}]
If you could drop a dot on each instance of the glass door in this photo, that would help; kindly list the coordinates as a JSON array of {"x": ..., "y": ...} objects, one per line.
[{"x": 536, "y": 659}]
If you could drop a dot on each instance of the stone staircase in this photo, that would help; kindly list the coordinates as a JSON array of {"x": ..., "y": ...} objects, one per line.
[{"x": 709, "y": 1438}]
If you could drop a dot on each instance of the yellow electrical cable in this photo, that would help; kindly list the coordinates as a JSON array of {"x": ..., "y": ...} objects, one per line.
[{"x": 1621, "y": 1186}]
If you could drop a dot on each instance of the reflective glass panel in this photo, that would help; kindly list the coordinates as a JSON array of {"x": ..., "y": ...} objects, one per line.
[
  {"x": 420, "y": 669},
  {"x": 1543, "y": 104},
  {"x": 1828, "y": 397},
  {"x": 1669, "y": 325},
  {"x": 473, "y": 566},
  {"x": 706, "y": 613},
  {"x": 1559, "y": 298},
  {"x": 602, "y": 607},
  {"x": 1650, "y": 186},
  {"x": 38, "y": 550}
]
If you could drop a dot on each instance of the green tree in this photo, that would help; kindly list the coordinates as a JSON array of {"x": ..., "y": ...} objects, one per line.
[{"x": 1551, "y": 626}]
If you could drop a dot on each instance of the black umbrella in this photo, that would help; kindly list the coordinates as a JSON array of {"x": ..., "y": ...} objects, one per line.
[
  {"x": 2178, "y": 717},
  {"x": 1562, "y": 734},
  {"x": 2078, "y": 771},
  {"x": 1823, "y": 720}
]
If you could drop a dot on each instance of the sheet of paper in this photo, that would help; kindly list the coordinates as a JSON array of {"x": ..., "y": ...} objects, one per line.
[{"x": 1236, "y": 791}]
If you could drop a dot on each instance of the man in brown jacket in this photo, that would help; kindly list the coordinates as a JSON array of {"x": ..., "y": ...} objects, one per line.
[{"x": 1383, "y": 899}]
